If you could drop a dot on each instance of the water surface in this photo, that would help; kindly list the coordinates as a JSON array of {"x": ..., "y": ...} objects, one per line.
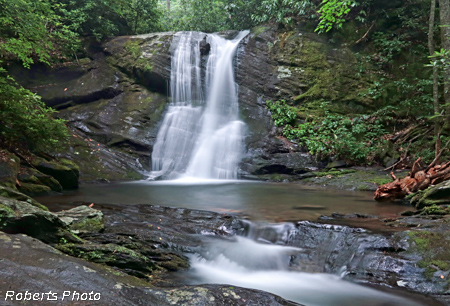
[{"x": 274, "y": 202}]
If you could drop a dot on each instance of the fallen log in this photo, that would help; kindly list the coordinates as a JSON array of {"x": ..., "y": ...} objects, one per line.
[{"x": 416, "y": 180}]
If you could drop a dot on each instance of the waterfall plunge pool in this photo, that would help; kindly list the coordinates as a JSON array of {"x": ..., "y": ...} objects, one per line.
[{"x": 272, "y": 202}]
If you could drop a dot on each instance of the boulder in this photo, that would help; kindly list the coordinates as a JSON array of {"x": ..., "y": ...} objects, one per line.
[
  {"x": 22, "y": 217},
  {"x": 65, "y": 172},
  {"x": 57, "y": 273},
  {"x": 83, "y": 219},
  {"x": 33, "y": 176},
  {"x": 434, "y": 195}
]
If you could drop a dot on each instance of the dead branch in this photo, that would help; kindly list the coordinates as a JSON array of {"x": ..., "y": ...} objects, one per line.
[{"x": 416, "y": 180}]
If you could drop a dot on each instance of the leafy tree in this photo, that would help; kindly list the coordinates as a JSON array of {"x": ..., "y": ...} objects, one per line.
[
  {"x": 25, "y": 122},
  {"x": 31, "y": 31},
  {"x": 104, "y": 18}
]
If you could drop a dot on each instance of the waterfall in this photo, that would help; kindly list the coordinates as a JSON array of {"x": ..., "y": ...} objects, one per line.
[{"x": 201, "y": 135}]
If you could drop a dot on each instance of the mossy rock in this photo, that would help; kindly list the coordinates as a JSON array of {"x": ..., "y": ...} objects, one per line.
[
  {"x": 16, "y": 195},
  {"x": 434, "y": 195},
  {"x": 34, "y": 190},
  {"x": 434, "y": 248},
  {"x": 129, "y": 261},
  {"x": 22, "y": 217},
  {"x": 83, "y": 219},
  {"x": 66, "y": 174}
]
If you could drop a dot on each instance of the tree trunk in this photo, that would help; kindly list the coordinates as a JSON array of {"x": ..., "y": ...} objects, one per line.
[
  {"x": 431, "y": 49},
  {"x": 444, "y": 9}
]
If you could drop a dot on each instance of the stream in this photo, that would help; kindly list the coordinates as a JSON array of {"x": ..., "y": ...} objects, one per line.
[{"x": 261, "y": 256}]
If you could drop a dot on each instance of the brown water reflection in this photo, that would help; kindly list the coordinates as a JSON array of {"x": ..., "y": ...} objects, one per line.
[{"x": 259, "y": 200}]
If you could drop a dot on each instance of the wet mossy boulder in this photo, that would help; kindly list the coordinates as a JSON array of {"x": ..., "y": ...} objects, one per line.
[
  {"x": 33, "y": 176},
  {"x": 65, "y": 172},
  {"x": 9, "y": 168},
  {"x": 34, "y": 190},
  {"x": 19, "y": 196},
  {"x": 127, "y": 260},
  {"x": 434, "y": 195},
  {"x": 83, "y": 219},
  {"x": 22, "y": 217}
]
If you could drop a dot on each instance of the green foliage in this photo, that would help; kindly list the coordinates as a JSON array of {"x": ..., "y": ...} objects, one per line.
[
  {"x": 282, "y": 114},
  {"x": 103, "y": 18},
  {"x": 283, "y": 11},
  {"x": 25, "y": 121},
  {"x": 332, "y": 13},
  {"x": 195, "y": 15},
  {"x": 353, "y": 139},
  {"x": 31, "y": 31}
]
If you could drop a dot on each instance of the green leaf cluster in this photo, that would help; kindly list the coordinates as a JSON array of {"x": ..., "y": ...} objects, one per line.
[
  {"x": 353, "y": 139},
  {"x": 26, "y": 123}
]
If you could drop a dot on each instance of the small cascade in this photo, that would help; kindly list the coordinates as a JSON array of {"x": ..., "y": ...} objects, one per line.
[
  {"x": 201, "y": 135},
  {"x": 261, "y": 257}
]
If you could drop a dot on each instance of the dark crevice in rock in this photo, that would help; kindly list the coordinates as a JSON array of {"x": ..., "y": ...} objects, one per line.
[{"x": 63, "y": 103}]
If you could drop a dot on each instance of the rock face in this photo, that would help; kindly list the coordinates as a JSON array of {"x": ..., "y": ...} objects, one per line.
[{"x": 293, "y": 66}]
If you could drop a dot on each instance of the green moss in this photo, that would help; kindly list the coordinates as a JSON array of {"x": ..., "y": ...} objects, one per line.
[
  {"x": 381, "y": 181},
  {"x": 133, "y": 175},
  {"x": 434, "y": 210},
  {"x": 133, "y": 47},
  {"x": 259, "y": 30},
  {"x": 69, "y": 163},
  {"x": 333, "y": 172},
  {"x": 88, "y": 224},
  {"x": 435, "y": 251},
  {"x": 6, "y": 211}
]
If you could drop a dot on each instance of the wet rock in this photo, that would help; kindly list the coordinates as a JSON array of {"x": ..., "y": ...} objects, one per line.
[
  {"x": 70, "y": 85},
  {"x": 16, "y": 195},
  {"x": 145, "y": 58},
  {"x": 65, "y": 172},
  {"x": 295, "y": 66},
  {"x": 220, "y": 295},
  {"x": 434, "y": 195},
  {"x": 337, "y": 164},
  {"x": 83, "y": 219},
  {"x": 24, "y": 260},
  {"x": 147, "y": 241},
  {"x": 129, "y": 261},
  {"x": 278, "y": 163},
  {"x": 34, "y": 190},
  {"x": 33, "y": 176},
  {"x": 22, "y": 217}
]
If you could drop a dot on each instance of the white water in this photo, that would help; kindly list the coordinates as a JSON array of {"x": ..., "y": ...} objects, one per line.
[
  {"x": 201, "y": 135},
  {"x": 245, "y": 263}
]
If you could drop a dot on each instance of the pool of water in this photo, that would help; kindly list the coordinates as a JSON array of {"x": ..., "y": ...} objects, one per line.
[{"x": 274, "y": 202}]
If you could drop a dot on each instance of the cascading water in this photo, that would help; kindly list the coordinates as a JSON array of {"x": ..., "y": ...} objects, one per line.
[{"x": 201, "y": 135}]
